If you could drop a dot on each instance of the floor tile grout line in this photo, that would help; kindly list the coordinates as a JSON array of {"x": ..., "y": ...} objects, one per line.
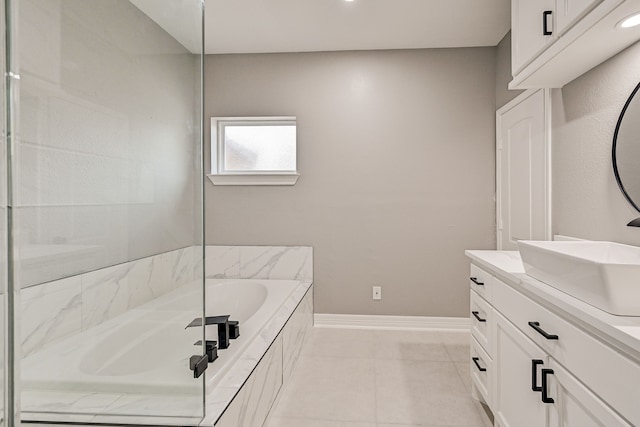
[
  {"x": 376, "y": 362},
  {"x": 331, "y": 420}
]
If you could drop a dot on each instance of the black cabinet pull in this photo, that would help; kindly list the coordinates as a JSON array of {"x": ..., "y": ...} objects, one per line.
[
  {"x": 545, "y": 22},
  {"x": 480, "y": 368},
  {"x": 536, "y": 326},
  {"x": 545, "y": 392},
  {"x": 534, "y": 374},
  {"x": 476, "y": 281},
  {"x": 476, "y": 314}
]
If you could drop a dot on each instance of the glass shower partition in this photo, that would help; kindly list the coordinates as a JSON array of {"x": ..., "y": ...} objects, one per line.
[
  {"x": 108, "y": 211},
  {"x": 4, "y": 120}
]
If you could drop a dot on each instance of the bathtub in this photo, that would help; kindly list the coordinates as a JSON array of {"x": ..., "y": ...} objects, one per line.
[{"x": 145, "y": 351}]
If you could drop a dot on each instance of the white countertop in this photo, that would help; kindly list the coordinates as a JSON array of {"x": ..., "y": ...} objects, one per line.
[{"x": 620, "y": 331}]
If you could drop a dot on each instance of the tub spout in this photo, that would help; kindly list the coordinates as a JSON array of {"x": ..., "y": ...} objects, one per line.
[
  {"x": 223, "y": 327},
  {"x": 210, "y": 349}
]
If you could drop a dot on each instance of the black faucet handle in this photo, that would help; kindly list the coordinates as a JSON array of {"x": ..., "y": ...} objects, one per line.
[
  {"x": 234, "y": 329},
  {"x": 211, "y": 349}
]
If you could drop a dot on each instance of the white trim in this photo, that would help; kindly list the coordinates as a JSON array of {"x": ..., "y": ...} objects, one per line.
[
  {"x": 363, "y": 321},
  {"x": 548, "y": 146},
  {"x": 265, "y": 119},
  {"x": 254, "y": 179},
  {"x": 219, "y": 176}
]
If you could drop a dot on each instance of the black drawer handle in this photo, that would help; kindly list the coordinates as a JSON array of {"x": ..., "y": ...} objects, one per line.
[
  {"x": 476, "y": 281},
  {"x": 476, "y": 314},
  {"x": 536, "y": 326},
  {"x": 545, "y": 392},
  {"x": 480, "y": 368},
  {"x": 545, "y": 22},
  {"x": 534, "y": 374}
]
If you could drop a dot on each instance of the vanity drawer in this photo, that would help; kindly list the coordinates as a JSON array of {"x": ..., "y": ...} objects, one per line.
[
  {"x": 480, "y": 281},
  {"x": 481, "y": 370},
  {"x": 481, "y": 320},
  {"x": 609, "y": 374}
]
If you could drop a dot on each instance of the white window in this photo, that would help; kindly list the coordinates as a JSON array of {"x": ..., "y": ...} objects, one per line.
[{"x": 253, "y": 151}]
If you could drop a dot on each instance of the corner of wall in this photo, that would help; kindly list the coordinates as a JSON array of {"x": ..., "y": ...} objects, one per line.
[{"x": 503, "y": 72}]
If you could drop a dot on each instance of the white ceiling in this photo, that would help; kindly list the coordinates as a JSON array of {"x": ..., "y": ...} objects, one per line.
[{"x": 256, "y": 26}]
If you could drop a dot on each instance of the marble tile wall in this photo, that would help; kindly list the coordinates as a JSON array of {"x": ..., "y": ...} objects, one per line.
[
  {"x": 251, "y": 405},
  {"x": 255, "y": 396},
  {"x": 294, "y": 334},
  {"x": 64, "y": 307},
  {"x": 259, "y": 262},
  {"x": 102, "y": 152}
]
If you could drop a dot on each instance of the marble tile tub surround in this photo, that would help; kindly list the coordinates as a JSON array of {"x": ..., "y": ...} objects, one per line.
[
  {"x": 259, "y": 262},
  {"x": 64, "y": 307},
  {"x": 238, "y": 395}
]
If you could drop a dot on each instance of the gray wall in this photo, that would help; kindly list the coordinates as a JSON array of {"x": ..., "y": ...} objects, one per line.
[
  {"x": 586, "y": 200},
  {"x": 503, "y": 72},
  {"x": 396, "y": 155},
  {"x": 109, "y": 138}
]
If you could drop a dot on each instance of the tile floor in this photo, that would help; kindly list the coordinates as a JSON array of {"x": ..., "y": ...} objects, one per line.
[{"x": 366, "y": 378}]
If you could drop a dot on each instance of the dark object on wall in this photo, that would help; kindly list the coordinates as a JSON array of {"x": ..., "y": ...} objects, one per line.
[
  {"x": 634, "y": 223},
  {"x": 626, "y": 152}
]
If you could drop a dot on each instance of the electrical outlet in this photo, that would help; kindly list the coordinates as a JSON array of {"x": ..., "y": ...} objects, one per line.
[{"x": 377, "y": 293}]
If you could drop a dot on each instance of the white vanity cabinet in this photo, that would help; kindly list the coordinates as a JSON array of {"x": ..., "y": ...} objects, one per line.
[
  {"x": 555, "y": 41},
  {"x": 542, "y": 370},
  {"x": 516, "y": 357},
  {"x": 482, "y": 329},
  {"x": 574, "y": 404},
  {"x": 533, "y": 389}
]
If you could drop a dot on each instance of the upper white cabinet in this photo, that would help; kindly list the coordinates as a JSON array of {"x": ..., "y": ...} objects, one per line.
[
  {"x": 556, "y": 41},
  {"x": 523, "y": 170},
  {"x": 531, "y": 30},
  {"x": 568, "y": 12}
]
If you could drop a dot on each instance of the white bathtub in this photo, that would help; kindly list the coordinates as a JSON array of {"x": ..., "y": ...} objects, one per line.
[{"x": 145, "y": 351}]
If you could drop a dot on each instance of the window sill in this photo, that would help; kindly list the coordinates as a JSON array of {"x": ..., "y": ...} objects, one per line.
[{"x": 255, "y": 179}]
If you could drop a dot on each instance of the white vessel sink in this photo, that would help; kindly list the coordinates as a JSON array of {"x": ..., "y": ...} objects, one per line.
[{"x": 603, "y": 274}]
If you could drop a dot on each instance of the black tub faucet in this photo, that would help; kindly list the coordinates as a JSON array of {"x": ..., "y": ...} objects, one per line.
[
  {"x": 223, "y": 327},
  {"x": 210, "y": 349}
]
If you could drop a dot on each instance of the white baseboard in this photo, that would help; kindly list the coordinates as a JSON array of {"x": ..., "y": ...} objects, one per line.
[{"x": 362, "y": 321}]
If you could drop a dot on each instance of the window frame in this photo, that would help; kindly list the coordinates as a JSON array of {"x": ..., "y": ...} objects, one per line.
[{"x": 220, "y": 176}]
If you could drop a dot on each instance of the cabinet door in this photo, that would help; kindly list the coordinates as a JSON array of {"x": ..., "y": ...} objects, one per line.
[
  {"x": 569, "y": 12},
  {"x": 527, "y": 30},
  {"x": 515, "y": 403},
  {"x": 522, "y": 168},
  {"x": 574, "y": 405}
]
